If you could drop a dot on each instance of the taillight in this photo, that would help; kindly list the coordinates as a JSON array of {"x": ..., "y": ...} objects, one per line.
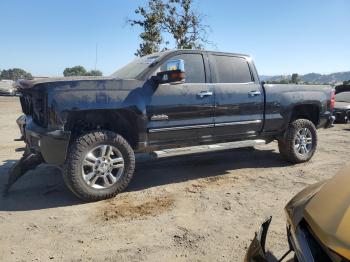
[{"x": 332, "y": 101}]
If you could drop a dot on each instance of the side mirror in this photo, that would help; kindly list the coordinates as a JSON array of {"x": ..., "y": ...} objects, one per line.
[{"x": 174, "y": 74}]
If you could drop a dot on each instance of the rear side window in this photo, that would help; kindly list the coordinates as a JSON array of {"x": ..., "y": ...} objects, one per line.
[
  {"x": 194, "y": 67},
  {"x": 231, "y": 69}
]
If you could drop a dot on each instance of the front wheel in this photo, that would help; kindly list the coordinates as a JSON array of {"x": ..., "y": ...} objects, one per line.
[
  {"x": 300, "y": 141},
  {"x": 99, "y": 165}
]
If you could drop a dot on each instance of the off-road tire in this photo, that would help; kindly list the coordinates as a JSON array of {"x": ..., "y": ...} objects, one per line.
[
  {"x": 286, "y": 145},
  {"x": 72, "y": 171}
]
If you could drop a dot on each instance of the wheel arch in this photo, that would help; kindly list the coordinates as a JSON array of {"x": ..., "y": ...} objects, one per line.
[
  {"x": 309, "y": 111},
  {"x": 122, "y": 121}
]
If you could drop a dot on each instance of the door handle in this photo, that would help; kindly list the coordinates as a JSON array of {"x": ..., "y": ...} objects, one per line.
[
  {"x": 254, "y": 93},
  {"x": 203, "y": 94}
]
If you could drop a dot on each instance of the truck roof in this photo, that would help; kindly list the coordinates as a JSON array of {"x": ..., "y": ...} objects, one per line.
[{"x": 202, "y": 51}]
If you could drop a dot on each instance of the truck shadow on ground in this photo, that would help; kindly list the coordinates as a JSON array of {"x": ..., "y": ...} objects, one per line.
[
  {"x": 44, "y": 187},
  {"x": 191, "y": 167}
]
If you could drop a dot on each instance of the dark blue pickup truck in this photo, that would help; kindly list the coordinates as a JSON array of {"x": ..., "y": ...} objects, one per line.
[{"x": 92, "y": 127}]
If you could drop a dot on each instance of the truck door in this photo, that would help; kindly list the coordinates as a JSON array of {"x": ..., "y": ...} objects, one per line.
[
  {"x": 239, "y": 98},
  {"x": 185, "y": 111}
]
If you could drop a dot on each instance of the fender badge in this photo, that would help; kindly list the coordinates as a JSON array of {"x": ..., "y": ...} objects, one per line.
[{"x": 159, "y": 117}]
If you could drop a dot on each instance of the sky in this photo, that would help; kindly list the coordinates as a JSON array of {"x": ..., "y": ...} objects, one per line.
[{"x": 283, "y": 36}]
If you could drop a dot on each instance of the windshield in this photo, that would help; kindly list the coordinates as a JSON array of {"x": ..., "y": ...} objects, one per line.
[
  {"x": 136, "y": 67},
  {"x": 343, "y": 97}
]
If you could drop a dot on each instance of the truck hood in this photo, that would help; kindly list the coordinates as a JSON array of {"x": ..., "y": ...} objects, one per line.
[
  {"x": 342, "y": 105},
  {"x": 25, "y": 84},
  {"x": 328, "y": 213}
]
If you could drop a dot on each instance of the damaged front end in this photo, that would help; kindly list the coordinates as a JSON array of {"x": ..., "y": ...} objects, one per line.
[
  {"x": 43, "y": 143},
  {"x": 42, "y": 146},
  {"x": 28, "y": 162},
  {"x": 256, "y": 251},
  {"x": 32, "y": 103}
]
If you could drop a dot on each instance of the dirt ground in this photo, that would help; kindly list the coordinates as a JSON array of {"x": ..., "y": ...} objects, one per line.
[{"x": 198, "y": 208}]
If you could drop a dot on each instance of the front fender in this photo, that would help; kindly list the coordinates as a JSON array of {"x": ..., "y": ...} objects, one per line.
[{"x": 66, "y": 97}]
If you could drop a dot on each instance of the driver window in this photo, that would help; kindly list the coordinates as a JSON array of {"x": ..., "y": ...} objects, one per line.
[{"x": 194, "y": 67}]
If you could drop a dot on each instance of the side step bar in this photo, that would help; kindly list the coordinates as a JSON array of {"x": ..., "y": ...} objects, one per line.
[{"x": 198, "y": 149}]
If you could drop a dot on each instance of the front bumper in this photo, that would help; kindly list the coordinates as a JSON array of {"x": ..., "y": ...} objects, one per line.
[{"x": 52, "y": 145}]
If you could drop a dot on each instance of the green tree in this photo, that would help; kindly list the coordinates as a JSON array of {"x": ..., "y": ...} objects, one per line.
[
  {"x": 295, "y": 78},
  {"x": 74, "y": 71},
  {"x": 15, "y": 74},
  {"x": 80, "y": 71},
  {"x": 283, "y": 81},
  {"x": 94, "y": 73},
  {"x": 151, "y": 20}
]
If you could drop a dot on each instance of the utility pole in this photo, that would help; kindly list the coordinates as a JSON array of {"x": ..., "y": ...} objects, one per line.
[{"x": 96, "y": 56}]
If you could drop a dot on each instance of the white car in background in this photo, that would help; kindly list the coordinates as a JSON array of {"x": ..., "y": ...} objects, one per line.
[{"x": 7, "y": 88}]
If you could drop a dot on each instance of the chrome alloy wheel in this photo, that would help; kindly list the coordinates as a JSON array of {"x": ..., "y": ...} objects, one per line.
[
  {"x": 303, "y": 141},
  {"x": 102, "y": 166}
]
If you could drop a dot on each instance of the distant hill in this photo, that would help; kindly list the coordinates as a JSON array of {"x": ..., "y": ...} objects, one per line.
[{"x": 333, "y": 78}]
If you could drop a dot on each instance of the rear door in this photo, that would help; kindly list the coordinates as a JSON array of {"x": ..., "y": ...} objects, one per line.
[
  {"x": 185, "y": 111},
  {"x": 238, "y": 97}
]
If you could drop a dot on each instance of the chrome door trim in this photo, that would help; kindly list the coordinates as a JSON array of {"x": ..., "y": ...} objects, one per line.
[
  {"x": 154, "y": 130},
  {"x": 239, "y": 123}
]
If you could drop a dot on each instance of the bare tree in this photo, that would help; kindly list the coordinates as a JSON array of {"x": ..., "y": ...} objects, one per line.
[
  {"x": 185, "y": 25},
  {"x": 175, "y": 17}
]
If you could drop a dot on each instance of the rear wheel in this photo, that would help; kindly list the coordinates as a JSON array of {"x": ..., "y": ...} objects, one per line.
[
  {"x": 300, "y": 141},
  {"x": 99, "y": 166}
]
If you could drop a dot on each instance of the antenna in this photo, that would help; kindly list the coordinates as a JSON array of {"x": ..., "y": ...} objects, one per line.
[{"x": 96, "y": 56}]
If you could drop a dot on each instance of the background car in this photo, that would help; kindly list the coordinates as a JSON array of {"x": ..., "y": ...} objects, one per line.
[
  {"x": 7, "y": 88},
  {"x": 342, "y": 104},
  {"x": 318, "y": 223}
]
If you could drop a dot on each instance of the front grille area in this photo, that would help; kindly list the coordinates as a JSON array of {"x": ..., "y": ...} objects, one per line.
[
  {"x": 317, "y": 250},
  {"x": 26, "y": 103},
  {"x": 39, "y": 112},
  {"x": 34, "y": 105}
]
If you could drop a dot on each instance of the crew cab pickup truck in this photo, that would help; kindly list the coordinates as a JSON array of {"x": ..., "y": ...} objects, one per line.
[{"x": 92, "y": 127}]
